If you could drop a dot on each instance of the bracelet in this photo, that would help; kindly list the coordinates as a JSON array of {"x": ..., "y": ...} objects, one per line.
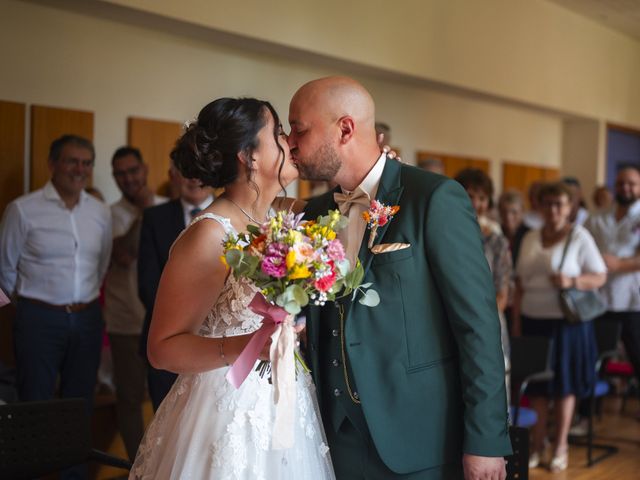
[{"x": 224, "y": 359}]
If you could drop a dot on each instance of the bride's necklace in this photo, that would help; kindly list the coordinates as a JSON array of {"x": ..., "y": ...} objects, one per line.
[{"x": 257, "y": 222}]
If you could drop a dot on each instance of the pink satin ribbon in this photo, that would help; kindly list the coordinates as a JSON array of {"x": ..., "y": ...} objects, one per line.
[
  {"x": 4, "y": 300},
  {"x": 278, "y": 325}
]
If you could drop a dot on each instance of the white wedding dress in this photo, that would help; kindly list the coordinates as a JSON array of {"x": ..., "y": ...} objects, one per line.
[{"x": 206, "y": 429}]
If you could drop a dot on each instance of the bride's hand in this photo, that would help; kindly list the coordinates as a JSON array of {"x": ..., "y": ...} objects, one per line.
[{"x": 391, "y": 153}]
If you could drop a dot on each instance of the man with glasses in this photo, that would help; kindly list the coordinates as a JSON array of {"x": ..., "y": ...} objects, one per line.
[
  {"x": 55, "y": 245},
  {"x": 123, "y": 311}
]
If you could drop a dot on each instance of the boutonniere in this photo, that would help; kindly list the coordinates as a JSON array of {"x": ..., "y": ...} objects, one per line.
[{"x": 378, "y": 215}]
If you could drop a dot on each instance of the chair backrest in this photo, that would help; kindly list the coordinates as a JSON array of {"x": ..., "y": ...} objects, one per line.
[
  {"x": 529, "y": 355},
  {"x": 607, "y": 335},
  {"x": 38, "y": 438},
  {"x": 518, "y": 462}
]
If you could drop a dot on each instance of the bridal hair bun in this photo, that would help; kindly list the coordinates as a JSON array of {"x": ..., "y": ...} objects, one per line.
[{"x": 208, "y": 150}]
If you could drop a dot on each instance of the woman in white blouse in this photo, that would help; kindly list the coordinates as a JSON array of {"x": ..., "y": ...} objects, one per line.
[{"x": 537, "y": 312}]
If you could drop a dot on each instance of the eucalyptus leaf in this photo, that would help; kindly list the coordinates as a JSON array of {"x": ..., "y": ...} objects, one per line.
[
  {"x": 234, "y": 258},
  {"x": 370, "y": 298},
  {"x": 293, "y": 308},
  {"x": 254, "y": 229}
]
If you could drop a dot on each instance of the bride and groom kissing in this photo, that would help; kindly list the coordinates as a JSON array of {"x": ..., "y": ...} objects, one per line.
[{"x": 411, "y": 389}]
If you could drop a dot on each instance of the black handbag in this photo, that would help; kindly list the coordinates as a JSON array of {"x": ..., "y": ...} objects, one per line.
[{"x": 579, "y": 305}]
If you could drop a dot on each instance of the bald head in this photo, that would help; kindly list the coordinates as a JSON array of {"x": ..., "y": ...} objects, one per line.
[
  {"x": 336, "y": 97},
  {"x": 333, "y": 135}
]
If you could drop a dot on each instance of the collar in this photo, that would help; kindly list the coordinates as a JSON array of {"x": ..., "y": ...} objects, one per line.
[
  {"x": 370, "y": 183},
  {"x": 187, "y": 207},
  {"x": 50, "y": 193}
]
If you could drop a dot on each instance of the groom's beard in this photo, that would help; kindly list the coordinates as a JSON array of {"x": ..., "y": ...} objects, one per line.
[{"x": 322, "y": 165}]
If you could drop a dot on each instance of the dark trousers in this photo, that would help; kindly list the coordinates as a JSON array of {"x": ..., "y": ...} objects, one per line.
[
  {"x": 160, "y": 382},
  {"x": 630, "y": 335},
  {"x": 355, "y": 457},
  {"x": 51, "y": 343}
]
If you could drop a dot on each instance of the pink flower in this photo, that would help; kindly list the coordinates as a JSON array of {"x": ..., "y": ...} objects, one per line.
[
  {"x": 325, "y": 283},
  {"x": 335, "y": 250},
  {"x": 274, "y": 263},
  {"x": 274, "y": 266}
]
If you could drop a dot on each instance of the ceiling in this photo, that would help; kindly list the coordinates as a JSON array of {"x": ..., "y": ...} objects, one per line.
[{"x": 620, "y": 15}]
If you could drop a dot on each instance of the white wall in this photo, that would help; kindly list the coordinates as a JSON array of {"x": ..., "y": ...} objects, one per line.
[
  {"x": 533, "y": 51},
  {"x": 81, "y": 61}
]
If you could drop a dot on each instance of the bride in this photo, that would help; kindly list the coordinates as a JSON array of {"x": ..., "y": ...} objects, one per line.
[{"x": 205, "y": 428}]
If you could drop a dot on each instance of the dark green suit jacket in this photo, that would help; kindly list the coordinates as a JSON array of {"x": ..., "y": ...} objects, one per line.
[{"x": 427, "y": 361}]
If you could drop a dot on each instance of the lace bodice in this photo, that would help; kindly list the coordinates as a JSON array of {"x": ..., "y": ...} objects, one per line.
[{"x": 230, "y": 315}]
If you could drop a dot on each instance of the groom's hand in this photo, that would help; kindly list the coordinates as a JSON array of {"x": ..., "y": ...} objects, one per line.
[{"x": 483, "y": 468}]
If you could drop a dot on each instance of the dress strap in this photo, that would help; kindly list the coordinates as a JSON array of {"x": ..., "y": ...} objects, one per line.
[{"x": 224, "y": 221}]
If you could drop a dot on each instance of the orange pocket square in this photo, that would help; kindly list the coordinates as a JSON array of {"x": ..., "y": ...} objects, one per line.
[{"x": 389, "y": 247}]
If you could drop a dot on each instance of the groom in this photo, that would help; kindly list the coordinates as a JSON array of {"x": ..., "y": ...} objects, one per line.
[{"x": 414, "y": 387}]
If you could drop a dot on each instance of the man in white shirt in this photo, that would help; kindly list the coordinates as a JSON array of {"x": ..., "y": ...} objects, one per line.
[
  {"x": 617, "y": 234},
  {"x": 123, "y": 311},
  {"x": 161, "y": 225},
  {"x": 55, "y": 245}
]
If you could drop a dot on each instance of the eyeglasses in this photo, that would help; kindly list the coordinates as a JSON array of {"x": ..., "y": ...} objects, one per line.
[
  {"x": 128, "y": 171},
  {"x": 76, "y": 162}
]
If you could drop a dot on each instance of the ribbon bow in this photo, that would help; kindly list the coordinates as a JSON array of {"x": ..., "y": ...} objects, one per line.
[
  {"x": 345, "y": 200},
  {"x": 278, "y": 325}
]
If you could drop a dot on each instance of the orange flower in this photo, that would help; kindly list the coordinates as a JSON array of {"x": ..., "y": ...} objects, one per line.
[{"x": 366, "y": 216}]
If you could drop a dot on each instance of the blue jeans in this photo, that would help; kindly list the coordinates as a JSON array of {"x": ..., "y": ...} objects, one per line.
[{"x": 49, "y": 343}]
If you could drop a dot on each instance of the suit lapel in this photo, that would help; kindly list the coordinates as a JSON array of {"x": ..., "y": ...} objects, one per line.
[{"x": 389, "y": 192}]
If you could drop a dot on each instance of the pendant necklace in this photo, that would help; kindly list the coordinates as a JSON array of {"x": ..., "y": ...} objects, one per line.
[{"x": 245, "y": 212}]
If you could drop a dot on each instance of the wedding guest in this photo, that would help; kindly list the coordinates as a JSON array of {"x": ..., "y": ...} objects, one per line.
[
  {"x": 532, "y": 217},
  {"x": 479, "y": 187},
  {"x": 511, "y": 211},
  {"x": 55, "y": 245},
  {"x": 433, "y": 165},
  {"x": 161, "y": 225},
  {"x": 616, "y": 233},
  {"x": 383, "y": 134},
  {"x": 579, "y": 212},
  {"x": 123, "y": 311},
  {"x": 537, "y": 312},
  {"x": 602, "y": 198}
]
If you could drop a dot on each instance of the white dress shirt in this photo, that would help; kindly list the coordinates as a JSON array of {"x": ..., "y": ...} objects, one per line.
[
  {"x": 622, "y": 239},
  {"x": 352, "y": 235},
  {"x": 51, "y": 253},
  {"x": 123, "y": 310},
  {"x": 187, "y": 208}
]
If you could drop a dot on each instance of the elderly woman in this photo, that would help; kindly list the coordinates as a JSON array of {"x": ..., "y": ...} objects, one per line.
[
  {"x": 537, "y": 312},
  {"x": 479, "y": 187}
]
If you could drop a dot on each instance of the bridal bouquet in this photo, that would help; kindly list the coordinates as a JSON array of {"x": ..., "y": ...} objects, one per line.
[{"x": 293, "y": 262}]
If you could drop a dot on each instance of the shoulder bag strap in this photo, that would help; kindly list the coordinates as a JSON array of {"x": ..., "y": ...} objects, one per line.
[{"x": 566, "y": 247}]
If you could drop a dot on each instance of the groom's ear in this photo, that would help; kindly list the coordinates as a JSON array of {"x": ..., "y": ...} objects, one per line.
[{"x": 347, "y": 128}]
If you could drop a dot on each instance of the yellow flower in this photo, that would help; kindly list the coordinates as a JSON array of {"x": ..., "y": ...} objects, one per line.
[
  {"x": 293, "y": 237},
  {"x": 224, "y": 261},
  {"x": 291, "y": 259},
  {"x": 299, "y": 271}
]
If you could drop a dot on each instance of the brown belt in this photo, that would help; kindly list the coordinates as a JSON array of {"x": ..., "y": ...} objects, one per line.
[{"x": 69, "y": 307}]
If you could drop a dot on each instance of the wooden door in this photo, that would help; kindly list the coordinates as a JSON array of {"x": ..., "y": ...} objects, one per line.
[
  {"x": 12, "y": 137},
  {"x": 520, "y": 176},
  {"x": 155, "y": 139},
  {"x": 47, "y": 124},
  {"x": 454, "y": 163}
]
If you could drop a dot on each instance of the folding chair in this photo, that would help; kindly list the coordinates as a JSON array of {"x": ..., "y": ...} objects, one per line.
[
  {"x": 530, "y": 363},
  {"x": 40, "y": 438},
  {"x": 607, "y": 337}
]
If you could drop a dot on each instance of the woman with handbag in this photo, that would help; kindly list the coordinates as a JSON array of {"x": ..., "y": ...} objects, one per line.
[{"x": 558, "y": 270}]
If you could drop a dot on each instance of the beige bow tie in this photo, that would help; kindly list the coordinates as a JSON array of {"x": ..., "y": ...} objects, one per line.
[{"x": 345, "y": 200}]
